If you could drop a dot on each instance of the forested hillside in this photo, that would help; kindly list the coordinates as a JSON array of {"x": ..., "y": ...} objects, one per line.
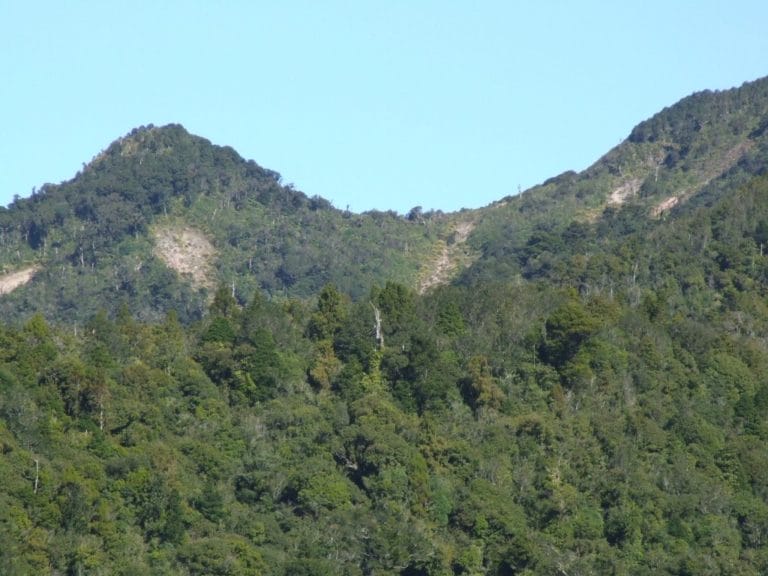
[
  {"x": 588, "y": 395},
  {"x": 92, "y": 242}
]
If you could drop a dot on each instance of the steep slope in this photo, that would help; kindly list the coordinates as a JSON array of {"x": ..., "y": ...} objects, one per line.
[
  {"x": 106, "y": 237},
  {"x": 451, "y": 256},
  {"x": 686, "y": 156},
  {"x": 188, "y": 252}
]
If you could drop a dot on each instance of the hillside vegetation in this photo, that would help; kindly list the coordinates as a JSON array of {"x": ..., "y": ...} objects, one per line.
[
  {"x": 581, "y": 391},
  {"x": 95, "y": 238}
]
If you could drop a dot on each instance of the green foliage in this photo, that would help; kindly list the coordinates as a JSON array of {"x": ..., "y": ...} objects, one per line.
[
  {"x": 567, "y": 329},
  {"x": 93, "y": 238},
  {"x": 326, "y": 322},
  {"x": 221, "y": 556},
  {"x": 501, "y": 435},
  {"x": 588, "y": 398}
]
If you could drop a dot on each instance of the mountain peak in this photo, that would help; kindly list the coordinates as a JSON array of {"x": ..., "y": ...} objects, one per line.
[
  {"x": 149, "y": 139},
  {"x": 151, "y": 136}
]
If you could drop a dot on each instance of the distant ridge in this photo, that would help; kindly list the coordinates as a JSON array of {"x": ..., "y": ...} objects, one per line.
[{"x": 90, "y": 239}]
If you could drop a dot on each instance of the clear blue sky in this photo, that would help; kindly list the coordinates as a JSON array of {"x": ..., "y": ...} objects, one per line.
[{"x": 370, "y": 104}]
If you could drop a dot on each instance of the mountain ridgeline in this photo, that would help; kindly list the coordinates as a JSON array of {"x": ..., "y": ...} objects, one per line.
[
  {"x": 204, "y": 371},
  {"x": 97, "y": 241},
  {"x": 92, "y": 241}
]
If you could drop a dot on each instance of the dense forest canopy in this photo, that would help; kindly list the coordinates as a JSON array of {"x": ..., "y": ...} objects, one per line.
[{"x": 578, "y": 386}]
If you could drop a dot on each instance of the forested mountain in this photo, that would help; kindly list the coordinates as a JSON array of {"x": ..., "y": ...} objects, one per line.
[
  {"x": 227, "y": 377},
  {"x": 161, "y": 217}
]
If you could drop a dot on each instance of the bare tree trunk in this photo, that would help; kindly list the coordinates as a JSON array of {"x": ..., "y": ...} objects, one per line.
[{"x": 379, "y": 333}]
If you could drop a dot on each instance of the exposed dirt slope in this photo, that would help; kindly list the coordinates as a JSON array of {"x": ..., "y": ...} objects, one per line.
[
  {"x": 9, "y": 282},
  {"x": 188, "y": 251},
  {"x": 626, "y": 190},
  {"x": 441, "y": 268}
]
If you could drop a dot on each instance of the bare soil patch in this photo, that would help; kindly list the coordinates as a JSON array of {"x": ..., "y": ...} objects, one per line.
[
  {"x": 665, "y": 205},
  {"x": 12, "y": 280},
  {"x": 626, "y": 190},
  {"x": 187, "y": 251},
  {"x": 441, "y": 268}
]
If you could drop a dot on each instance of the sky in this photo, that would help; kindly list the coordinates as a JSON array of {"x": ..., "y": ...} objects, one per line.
[{"x": 371, "y": 104}]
